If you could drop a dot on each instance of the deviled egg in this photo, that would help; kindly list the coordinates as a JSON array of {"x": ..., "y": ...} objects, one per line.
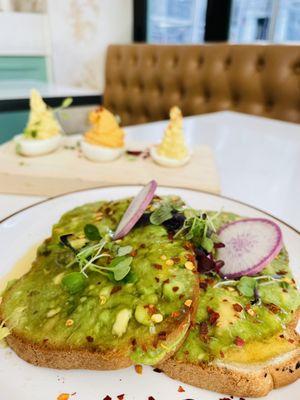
[
  {"x": 105, "y": 140},
  {"x": 172, "y": 151},
  {"x": 42, "y": 134}
]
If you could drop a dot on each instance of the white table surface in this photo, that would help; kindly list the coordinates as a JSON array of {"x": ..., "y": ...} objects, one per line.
[{"x": 258, "y": 160}]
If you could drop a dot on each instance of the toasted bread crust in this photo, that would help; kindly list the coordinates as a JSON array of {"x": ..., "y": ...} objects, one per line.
[
  {"x": 253, "y": 380},
  {"x": 45, "y": 355},
  {"x": 237, "y": 380}
]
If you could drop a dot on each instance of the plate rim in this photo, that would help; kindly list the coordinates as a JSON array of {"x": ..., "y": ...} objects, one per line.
[{"x": 140, "y": 184}]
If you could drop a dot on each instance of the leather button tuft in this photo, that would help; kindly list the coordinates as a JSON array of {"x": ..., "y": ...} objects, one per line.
[
  {"x": 260, "y": 64},
  {"x": 227, "y": 62},
  {"x": 269, "y": 104},
  {"x": 200, "y": 61},
  {"x": 296, "y": 67}
]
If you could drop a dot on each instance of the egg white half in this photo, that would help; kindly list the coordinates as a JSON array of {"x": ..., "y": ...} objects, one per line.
[
  {"x": 98, "y": 153},
  {"x": 166, "y": 161},
  {"x": 36, "y": 147}
]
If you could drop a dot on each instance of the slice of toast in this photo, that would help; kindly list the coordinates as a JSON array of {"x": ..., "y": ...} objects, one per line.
[
  {"x": 239, "y": 345},
  {"x": 237, "y": 379},
  {"x": 107, "y": 324}
]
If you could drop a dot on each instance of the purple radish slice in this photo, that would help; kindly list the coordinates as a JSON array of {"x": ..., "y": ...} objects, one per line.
[
  {"x": 135, "y": 210},
  {"x": 250, "y": 244}
]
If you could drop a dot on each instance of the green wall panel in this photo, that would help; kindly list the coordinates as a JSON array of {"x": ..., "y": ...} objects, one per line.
[
  {"x": 12, "y": 123},
  {"x": 18, "y": 67}
]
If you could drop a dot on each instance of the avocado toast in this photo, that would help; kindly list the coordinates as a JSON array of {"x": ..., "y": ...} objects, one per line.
[
  {"x": 243, "y": 342},
  {"x": 118, "y": 283},
  {"x": 96, "y": 303}
]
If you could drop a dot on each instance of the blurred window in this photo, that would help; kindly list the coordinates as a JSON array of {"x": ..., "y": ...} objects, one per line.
[
  {"x": 176, "y": 21},
  {"x": 267, "y": 20}
]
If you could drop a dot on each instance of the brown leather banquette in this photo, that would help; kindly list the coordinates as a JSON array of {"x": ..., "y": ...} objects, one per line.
[{"x": 143, "y": 81}]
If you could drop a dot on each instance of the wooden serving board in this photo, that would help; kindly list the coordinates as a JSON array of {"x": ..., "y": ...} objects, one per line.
[{"x": 67, "y": 170}]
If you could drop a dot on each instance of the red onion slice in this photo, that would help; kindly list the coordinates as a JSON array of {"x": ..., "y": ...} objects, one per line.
[
  {"x": 250, "y": 244},
  {"x": 135, "y": 210}
]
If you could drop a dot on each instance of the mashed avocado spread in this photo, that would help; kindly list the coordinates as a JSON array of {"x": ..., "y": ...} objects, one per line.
[
  {"x": 59, "y": 306},
  {"x": 234, "y": 323},
  {"x": 86, "y": 290}
]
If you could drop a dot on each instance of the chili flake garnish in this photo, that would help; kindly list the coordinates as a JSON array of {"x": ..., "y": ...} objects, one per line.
[
  {"x": 213, "y": 316},
  {"x": 121, "y": 396},
  {"x": 239, "y": 341},
  {"x": 63, "y": 396},
  {"x": 138, "y": 369},
  {"x": 180, "y": 389},
  {"x": 237, "y": 307}
]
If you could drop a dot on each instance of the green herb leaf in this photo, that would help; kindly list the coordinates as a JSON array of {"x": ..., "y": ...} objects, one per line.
[
  {"x": 120, "y": 267},
  {"x": 207, "y": 244},
  {"x": 131, "y": 277},
  {"x": 161, "y": 214},
  {"x": 122, "y": 251},
  {"x": 67, "y": 102},
  {"x": 246, "y": 286},
  {"x": 91, "y": 232},
  {"x": 74, "y": 282}
]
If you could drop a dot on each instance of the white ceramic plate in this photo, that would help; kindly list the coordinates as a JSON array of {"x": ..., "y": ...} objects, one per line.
[{"x": 19, "y": 380}]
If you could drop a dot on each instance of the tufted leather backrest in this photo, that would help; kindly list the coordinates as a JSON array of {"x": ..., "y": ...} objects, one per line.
[{"x": 143, "y": 81}]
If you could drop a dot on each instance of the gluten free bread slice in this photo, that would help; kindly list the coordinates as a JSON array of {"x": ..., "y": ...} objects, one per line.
[
  {"x": 237, "y": 379},
  {"x": 102, "y": 321},
  {"x": 244, "y": 341}
]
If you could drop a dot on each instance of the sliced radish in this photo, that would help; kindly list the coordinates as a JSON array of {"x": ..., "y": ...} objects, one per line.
[
  {"x": 136, "y": 209},
  {"x": 250, "y": 244}
]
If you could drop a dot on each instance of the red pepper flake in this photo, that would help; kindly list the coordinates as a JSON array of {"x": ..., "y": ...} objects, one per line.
[
  {"x": 175, "y": 314},
  {"x": 188, "y": 245},
  {"x": 157, "y": 279},
  {"x": 63, "y": 396},
  {"x": 162, "y": 335},
  {"x": 142, "y": 246},
  {"x": 239, "y": 341},
  {"x": 248, "y": 306},
  {"x": 90, "y": 339},
  {"x": 115, "y": 289},
  {"x": 242, "y": 398},
  {"x": 151, "y": 398},
  {"x": 203, "y": 285},
  {"x": 138, "y": 369},
  {"x": 222, "y": 354},
  {"x": 181, "y": 296},
  {"x": 133, "y": 253},
  {"x": 175, "y": 259},
  {"x": 166, "y": 281},
  {"x": 273, "y": 308},
  {"x": 175, "y": 288},
  {"x": 135, "y": 153},
  {"x": 291, "y": 340},
  {"x": 237, "y": 307},
  {"x": 281, "y": 272},
  {"x": 157, "y": 266},
  {"x": 213, "y": 316},
  {"x": 151, "y": 308},
  {"x": 121, "y": 396},
  {"x": 203, "y": 328},
  {"x": 180, "y": 389},
  {"x": 157, "y": 370},
  {"x": 107, "y": 397},
  {"x": 191, "y": 257},
  {"x": 171, "y": 236}
]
